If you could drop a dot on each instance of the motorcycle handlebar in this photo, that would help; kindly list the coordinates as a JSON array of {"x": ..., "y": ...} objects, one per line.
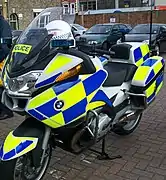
[{"x": 92, "y": 50}]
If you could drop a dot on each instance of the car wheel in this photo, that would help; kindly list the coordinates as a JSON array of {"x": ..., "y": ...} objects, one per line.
[{"x": 157, "y": 49}]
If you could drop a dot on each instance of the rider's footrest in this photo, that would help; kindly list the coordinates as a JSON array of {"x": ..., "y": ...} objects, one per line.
[{"x": 148, "y": 80}]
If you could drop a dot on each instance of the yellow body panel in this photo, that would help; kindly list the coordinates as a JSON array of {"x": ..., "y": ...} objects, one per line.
[
  {"x": 157, "y": 67},
  {"x": 57, "y": 63},
  {"x": 44, "y": 97},
  {"x": 141, "y": 73},
  {"x": 151, "y": 89},
  {"x": 70, "y": 96}
]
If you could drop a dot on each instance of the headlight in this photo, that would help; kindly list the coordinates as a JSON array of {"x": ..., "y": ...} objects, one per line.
[
  {"x": 93, "y": 42},
  {"x": 146, "y": 41},
  {"x": 22, "y": 84}
]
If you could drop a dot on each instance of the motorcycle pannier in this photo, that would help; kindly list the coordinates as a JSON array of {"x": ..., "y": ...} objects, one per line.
[{"x": 147, "y": 81}]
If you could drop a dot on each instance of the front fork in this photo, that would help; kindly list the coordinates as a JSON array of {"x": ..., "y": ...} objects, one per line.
[{"x": 45, "y": 142}]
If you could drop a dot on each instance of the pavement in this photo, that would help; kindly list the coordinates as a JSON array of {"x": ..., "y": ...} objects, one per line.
[{"x": 143, "y": 152}]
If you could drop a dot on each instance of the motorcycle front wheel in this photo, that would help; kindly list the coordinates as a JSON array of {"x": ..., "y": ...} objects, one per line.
[{"x": 22, "y": 168}]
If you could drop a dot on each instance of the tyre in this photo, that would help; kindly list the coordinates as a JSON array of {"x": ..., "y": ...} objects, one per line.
[
  {"x": 22, "y": 169},
  {"x": 157, "y": 49},
  {"x": 129, "y": 127}
]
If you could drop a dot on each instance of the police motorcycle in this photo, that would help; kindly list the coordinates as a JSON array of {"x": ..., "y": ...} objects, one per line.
[{"x": 70, "y": 99}]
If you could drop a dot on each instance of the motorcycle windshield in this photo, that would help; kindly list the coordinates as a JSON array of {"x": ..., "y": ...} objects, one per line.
[{"x": 35, "y": 40}]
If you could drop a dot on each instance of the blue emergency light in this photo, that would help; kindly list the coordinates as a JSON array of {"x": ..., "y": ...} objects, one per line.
[{"x": 62, "y": 43}]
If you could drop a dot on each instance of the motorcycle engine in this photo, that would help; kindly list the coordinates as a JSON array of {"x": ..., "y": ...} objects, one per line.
[{"x": 103, "y": 126}]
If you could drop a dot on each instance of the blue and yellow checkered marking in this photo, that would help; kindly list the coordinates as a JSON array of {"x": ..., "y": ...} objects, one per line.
[
  {"x": 154, "y": 89},
  {"x": 149, "y": 72},
  {"x": 141, "y": 54},
  {"x": 78, "y": 95},
  {"x": 149, "y": 69}
]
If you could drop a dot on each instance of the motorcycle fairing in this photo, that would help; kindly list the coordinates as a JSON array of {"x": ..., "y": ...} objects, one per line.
[
  {"x": 78, "y": 96},
  {"x": 14, "y": 147},
  {"x": 59, "y": 64}
]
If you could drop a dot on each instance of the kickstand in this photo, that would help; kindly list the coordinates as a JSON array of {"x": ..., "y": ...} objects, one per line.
[{"x": 103, "y": 155}]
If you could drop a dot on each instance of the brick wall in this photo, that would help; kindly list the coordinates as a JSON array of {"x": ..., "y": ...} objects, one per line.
[{"x": 127, "y": 18}]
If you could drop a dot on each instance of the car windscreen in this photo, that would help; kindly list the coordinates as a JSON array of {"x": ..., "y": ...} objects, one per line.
[
  {"x": 144, "y": 29},
  {"x": 99, "y": 29}
]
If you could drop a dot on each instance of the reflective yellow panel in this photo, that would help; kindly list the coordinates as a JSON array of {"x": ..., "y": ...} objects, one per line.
[
  {"x": 57, "y": 63},
  {"x": 41, "y": 99},
  {"x": 73, "y": 95}
]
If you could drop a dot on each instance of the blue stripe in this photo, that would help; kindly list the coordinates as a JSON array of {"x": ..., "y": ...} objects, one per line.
[
  {"x": 36, "y": 115},
  {"x": 163, "y": 61},
  {"x": 137, "y": 54},
  {"x": 47, "y": 81},
  {"x": 102, "y": 59},
  {"x": 94, "y": 82},
  {"x": 23, "y": 146},
  {"x": 159, "y": 80},
  {"x": 65, "y": 86},
  {"x": 75, "y": 111},
  {"x": 1, "y": 152},
  {"x": 150, "y": 77},
  {"x": 150, "y": 98},
  {"x": 149, "y": 62},
  {"x": 9, "y": 155},
  {"x": 146, "y": 56},
  {"x": 48, "y": 108},
  {"x": 101, "y": 96}
]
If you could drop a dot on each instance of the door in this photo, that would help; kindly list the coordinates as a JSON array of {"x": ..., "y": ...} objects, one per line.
[
  {"x": 162, "y": 36},
  {"x": 114, "y": 35}
]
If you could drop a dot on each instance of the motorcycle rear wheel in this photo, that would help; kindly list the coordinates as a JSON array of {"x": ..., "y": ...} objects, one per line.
[
  {"x": 21, "y": 168},
  {"x": 129, "y": 127}
]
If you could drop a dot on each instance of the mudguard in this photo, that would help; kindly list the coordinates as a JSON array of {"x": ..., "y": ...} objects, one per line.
[{"x": 25, "y": 138}]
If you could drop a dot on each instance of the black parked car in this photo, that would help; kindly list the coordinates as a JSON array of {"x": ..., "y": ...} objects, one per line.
[
  {"x": 141, "y": 33},
  {"x": 103, "y": 35}
]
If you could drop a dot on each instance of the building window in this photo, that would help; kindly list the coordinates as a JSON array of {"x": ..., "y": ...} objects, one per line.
[
  {"x": 90, "y": 5},
  {"x": 36, "y": 14},
  {"x": 43, "y": 20},
  {"x": 14, "y": 23},
  {"x": 66, "y": 8},
  {"x": 72, "y": 8}
]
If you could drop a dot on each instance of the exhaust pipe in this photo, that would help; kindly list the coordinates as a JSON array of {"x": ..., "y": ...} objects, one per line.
[{"x": 129, "y": 117}]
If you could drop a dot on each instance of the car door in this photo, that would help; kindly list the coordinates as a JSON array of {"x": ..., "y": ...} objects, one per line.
[
  {"x": 162, "y": 38},
  {"x": 114, "y": 35}
]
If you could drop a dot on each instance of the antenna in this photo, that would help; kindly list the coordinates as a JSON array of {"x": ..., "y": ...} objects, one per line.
[{"x": 151, "y": 21}]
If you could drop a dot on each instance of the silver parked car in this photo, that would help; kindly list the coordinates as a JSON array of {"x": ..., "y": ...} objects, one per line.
[{"x": 78, "y": 30}]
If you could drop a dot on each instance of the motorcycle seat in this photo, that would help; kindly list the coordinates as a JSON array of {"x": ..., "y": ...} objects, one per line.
[{"x": 118, "y": 73}]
